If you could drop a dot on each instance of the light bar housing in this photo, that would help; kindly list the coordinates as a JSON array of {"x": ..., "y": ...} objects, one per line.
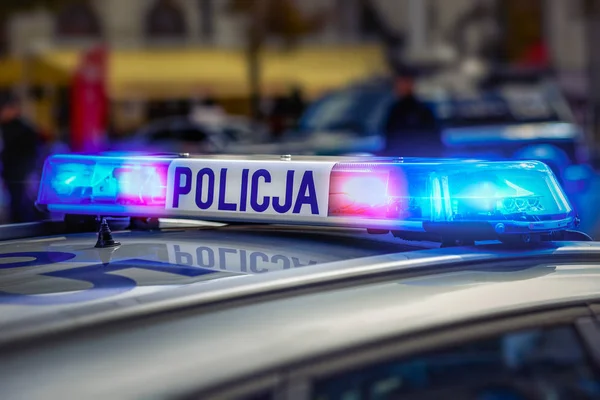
[{"x": 464, "y": 199}]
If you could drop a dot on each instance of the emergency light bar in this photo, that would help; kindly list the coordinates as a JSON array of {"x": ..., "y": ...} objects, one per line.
[{"x": 476, "y": 199}]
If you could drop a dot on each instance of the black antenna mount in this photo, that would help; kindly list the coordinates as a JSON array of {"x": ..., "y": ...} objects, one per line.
[{"x": 105, "y": 238}]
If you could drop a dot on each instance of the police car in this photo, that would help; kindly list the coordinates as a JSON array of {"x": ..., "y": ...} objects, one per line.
[
  {"x": 294, "y": 277},
  {"x": 507, "y": 120}
]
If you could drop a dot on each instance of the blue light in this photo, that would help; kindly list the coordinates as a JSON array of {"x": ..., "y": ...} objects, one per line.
[{"x": 103, "y": 180}]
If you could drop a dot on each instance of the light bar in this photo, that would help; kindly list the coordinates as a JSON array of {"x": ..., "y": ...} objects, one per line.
[{"x": 475, "y": 199}]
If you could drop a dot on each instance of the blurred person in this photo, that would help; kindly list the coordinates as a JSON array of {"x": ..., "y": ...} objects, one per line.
[
  {"x": 21, "y": 145},
  {"x": 296, "y": 104},
  {"x": 278, "y": 117},
  {"x": 411, "y": 129},
  {"x": 286, "y": 111}
]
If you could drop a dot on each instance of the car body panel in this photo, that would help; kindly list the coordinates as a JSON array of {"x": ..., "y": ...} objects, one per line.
[
  {"x": 203, "y": 349},
  {"x": 150, "y": 295},
  {"x": 517, "y": 134},
  {"x": 39, "y": 276}
]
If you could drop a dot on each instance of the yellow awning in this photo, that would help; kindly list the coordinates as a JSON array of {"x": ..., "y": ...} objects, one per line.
[
  {"x": 321, "y": 69},
  {"x": 222, "y": 73},
  {"x": 11, "y": 72}
]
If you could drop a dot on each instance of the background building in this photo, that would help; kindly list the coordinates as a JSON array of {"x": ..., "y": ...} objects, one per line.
[{"x": 174, "y": 50}]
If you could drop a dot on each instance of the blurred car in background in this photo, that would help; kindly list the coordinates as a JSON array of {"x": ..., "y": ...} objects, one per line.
[
  {"x": 342, "y": 122},
  {"x": 188, "y": 135},
  {"x": 508, "y": 118}
]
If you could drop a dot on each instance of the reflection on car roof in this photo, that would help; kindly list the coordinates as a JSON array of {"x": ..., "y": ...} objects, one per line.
[{"x": 299, "y": 326}]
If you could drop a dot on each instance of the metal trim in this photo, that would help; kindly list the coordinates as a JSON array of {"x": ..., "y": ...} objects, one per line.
[{"x": 31, "y": 230}]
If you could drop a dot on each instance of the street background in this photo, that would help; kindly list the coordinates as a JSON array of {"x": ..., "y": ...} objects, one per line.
[{"x": 93, "y": 73}]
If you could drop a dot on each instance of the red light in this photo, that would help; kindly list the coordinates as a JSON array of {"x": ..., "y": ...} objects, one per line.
[
  {"x": 366, "y": 190},
  {"x": 141, "y": 184},
  {"x": 358, "y": 193}
]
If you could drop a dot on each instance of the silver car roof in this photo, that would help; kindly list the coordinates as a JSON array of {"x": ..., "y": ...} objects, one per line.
[
  {"x": 158, "y": 279},
  {"x": 54, "y": 274},
  {"x": 201, "y": 349}
]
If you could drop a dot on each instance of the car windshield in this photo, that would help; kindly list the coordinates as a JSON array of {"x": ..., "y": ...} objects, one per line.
[
  {"x": 240, "y": 132},
  {"x": 344, "y": 111}
]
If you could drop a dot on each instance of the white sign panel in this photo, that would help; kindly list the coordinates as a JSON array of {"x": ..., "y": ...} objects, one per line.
[{"x": 267, "y": 188}]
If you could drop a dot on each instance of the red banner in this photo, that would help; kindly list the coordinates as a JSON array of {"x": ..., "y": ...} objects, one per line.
[{"x": 89, "y": 102}]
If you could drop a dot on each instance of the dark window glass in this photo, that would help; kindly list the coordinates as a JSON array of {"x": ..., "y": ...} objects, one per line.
[
  {"x": 175, "y": 131},
  {"x": 267, "y": 395},
  {"x": 162, "y": 135},
  {"x": 4, "y": 38},
  {"x": 534, "y": 364},
  {"x": 344, "y": 111},
  {"x": 78, "y": 20},
  {"x": 206, "y": 18},
  {"x": 369, "y": 21},
  {"x": 166, "y": 20},
  {"x": 260, "y": 396},
  {"x": 192, "y": 134}
]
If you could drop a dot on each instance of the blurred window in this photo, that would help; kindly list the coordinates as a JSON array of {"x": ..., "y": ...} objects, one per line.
[
  {"x": 166, "y": 20},
  {"x": 192, "y": 134},
  {"x": 207, "y": 17},
  {"x": 237, "y": 133},
  {"x": 159, "y": 131},
  {"x": 162, "y": 135},
  {"x": 178, "y": 133},
  {"x": 347, "y": 110},
  {"x": 369, "y": 23},
  {"x": 160, "y": 109},
  {"x": 78, "y": 20},
  {"x": 4, "y": 38},
  {"x": 532, "y": 364}
]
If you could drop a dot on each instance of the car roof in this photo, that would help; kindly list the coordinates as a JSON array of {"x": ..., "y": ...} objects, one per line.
[
  {"x": 201, "y": 349},
  {"x": 41, "y": 275}
]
